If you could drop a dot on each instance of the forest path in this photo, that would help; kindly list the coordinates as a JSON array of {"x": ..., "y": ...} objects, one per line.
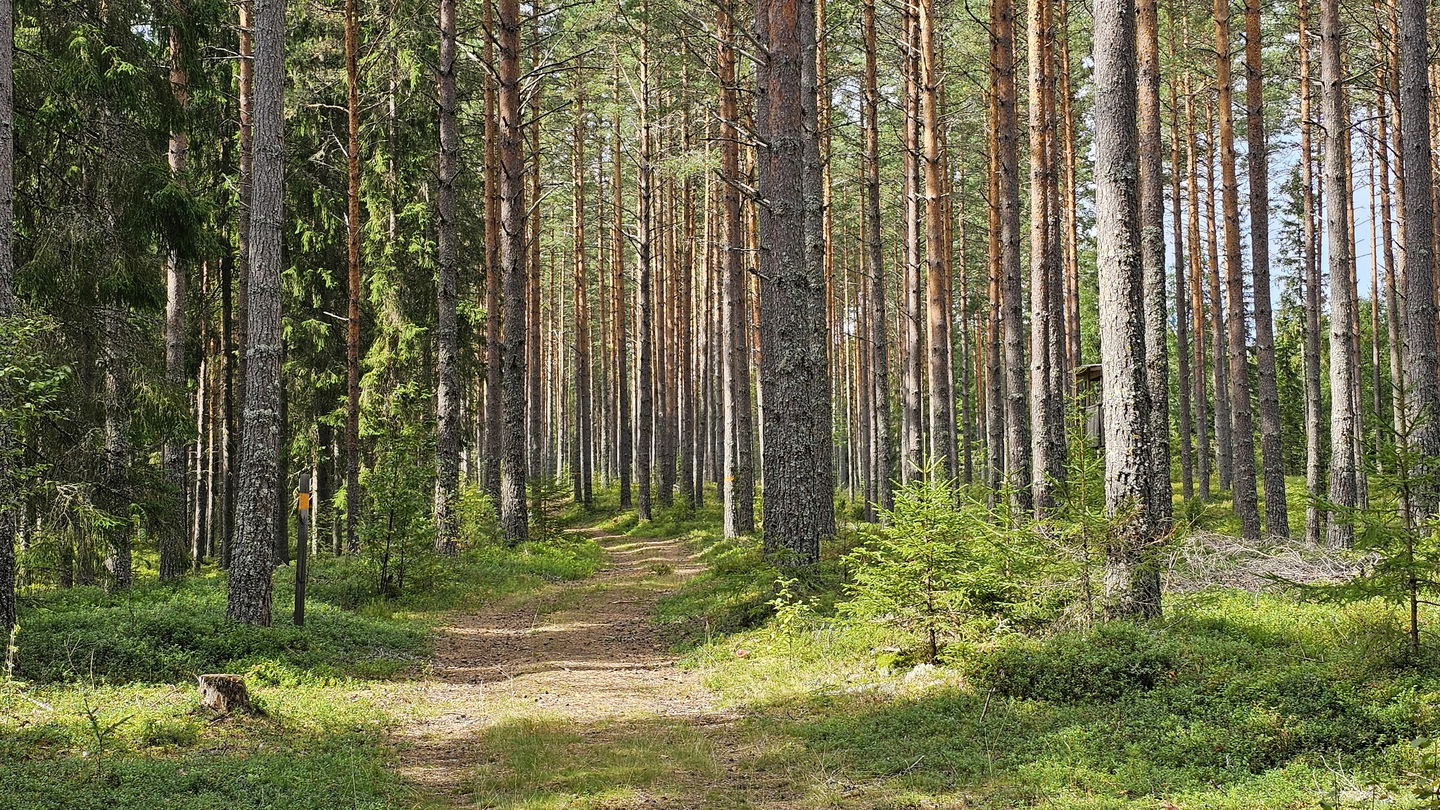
[{"x": 569, "y": 697}]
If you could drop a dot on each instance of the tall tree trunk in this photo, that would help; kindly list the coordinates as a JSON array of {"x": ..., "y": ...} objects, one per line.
[
  {"x": 1152, "y": 259},
  {"x": 514, "y": 466},
  {"x": 799, "y": 479},
  {"x": 584, "y": 430},
  {"x": 1017, "y": 411},
  {"x": 494, "y": 366},
  {"x": 644, "y": 294},
  {"x": 1314, "y": 442},
  {"x": 1421, "y": 386},
  {"x": 447, "y": 330},
  {"x": 1182, "y": 301},
  {"x": 353, "y": 280},
  {"x": 1343, "y": 378},
  {"x": 251, "y": 566},
  {"x": 172, "y": 539},
  {"x": 937, "y": 254},
  {"x": 880, "y": 464},
  {"x": 1197, "y": 298},
  {"x": 1046, "y": 453},
  {"x": 912, "y": 408},
  {"x": 1070, "y": 228},
  {"x": 1242, "y": 435},
  {"x": 994, "y": 380},
  {"x": 624, "y": 425},
  {"x": 1132, "y": 582},
  {"x": 1272, "y": 457},
  {"x": 1219, "y": 369},
  {"x": 9, "y": 514}
]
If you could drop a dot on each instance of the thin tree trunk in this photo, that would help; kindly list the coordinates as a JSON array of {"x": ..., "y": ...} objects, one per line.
[
  {"x": 1017, "y": 412},
  {"x": 1314, "y": 441},
  {"x": 937, "y": 254},
  {"x": 1272, "y": 457},
  {"x": 912, "y": 433},
  {"x": 447, "y": 334},
  {"x": 584, "y": 431},
  {"x": 1219, "y": 348},
  {"x": 1197, "y": 297},
  {"x": 1242, "y": 436},
  {"x": 1182, "y": 300},
  {"x": 352, "y": 263},
  {"x": 172, "y": 538},
  {"x": 881, "y": 464},
  {"x": 9, "y": 514},
  {"x": 494, "y": 365},
  {"x": 1343, "y": 422},
  {"x": 644, "y": 294},
  {"x": 624, "y": 426}
]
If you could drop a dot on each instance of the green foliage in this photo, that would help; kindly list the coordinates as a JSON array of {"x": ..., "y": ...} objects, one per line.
[
  {"x": 397, "y": 533},
  {"x": 548, "y": 497},
  {"x": 934, "y": 567},
  {"x": 170, "y": 634},
  {"x": 1112, "y": 660}
]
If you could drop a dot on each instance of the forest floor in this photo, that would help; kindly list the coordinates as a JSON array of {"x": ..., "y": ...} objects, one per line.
[{"x": 571, "y": 697}]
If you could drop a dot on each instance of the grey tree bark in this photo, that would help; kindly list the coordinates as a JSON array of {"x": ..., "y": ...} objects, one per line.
[
  {"x": 447, "y": 333},
  {"x": 1272, "y": 460},
  {"x": 251, "y": 564},
  {"x": 1242, "y": 434},
  {"x": 9, "y": 514},
  {"x": 881, "y": 467},
  {"x": 1132, "y": 582},
  {"x": 794, "y": 373},
  {"x": 1343, "y": 378},
  {"x": 1421, "y": 386},
  {"x": 739, "y": 473},
  {"x": 1152, "y": 259},
  {"x": 173, "y": 538}
]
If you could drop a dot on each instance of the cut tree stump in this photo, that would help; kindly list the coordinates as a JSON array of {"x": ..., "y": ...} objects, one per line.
[{"x": 224, "y": 693}]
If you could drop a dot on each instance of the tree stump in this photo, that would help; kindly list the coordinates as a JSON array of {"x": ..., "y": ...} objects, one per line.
[{"x": 224, "y": 693}]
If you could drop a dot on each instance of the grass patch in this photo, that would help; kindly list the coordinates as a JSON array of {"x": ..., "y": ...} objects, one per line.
[
  {"x": 1232, "y": 701},
  {"x": 103, "y": 711}
]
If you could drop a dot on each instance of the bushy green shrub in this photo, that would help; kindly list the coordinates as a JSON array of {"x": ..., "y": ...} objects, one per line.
[
  {"x": 941, "y": 560},
  {"x": 1111, "y": 660},
  {"x": 170, "y": 634}
]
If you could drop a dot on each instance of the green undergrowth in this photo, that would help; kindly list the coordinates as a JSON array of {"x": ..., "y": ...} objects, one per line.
[
  {"x": 1232, "y": 700},
  {"x": 101, "y": 710}
]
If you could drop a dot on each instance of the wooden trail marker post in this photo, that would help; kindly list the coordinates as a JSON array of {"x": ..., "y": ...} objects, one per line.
[{"x": 302, "y": 545}]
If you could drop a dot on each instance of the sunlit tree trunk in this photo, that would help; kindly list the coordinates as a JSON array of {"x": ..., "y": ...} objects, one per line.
[
  {"x": 1152, "y": 259},
  {"x": 796, "y": 456},
  {"x": 1132, "y": 582},
  {"x": 251, "y": 563},
  {"x": 514, "y": 461},
  {"x": 172, "y": 539},
  {"x": 1314, "y": 441},
  {"x": 880, "y": 463},
  {"x": 447, "y": 338}
]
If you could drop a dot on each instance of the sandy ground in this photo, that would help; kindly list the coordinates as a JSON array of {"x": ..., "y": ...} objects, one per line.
[{"x": 581, "y": 657}]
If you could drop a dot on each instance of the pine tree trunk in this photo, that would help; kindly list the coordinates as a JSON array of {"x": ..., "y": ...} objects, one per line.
[
  {"x": 1012, "y": 319},
  {"x": 1242, "y": 435},
  {"x": 1182, "y": 301},
  {"x": 172, "y": 538},
  {"x": 9, "y": 514},
  {"x": 447, "y": 334},
  {"x": 352, "y": 262},
  {"x": 1132, "y": 582},
  {"x": 1197, "y": 300},
  {"x": 1219, "y": 348},
  {"x": 912, "y": 377},
  {"x": 624, "y": 425},
  {"x": 514, "y": 460},
  {"x": 796, "y": 428},
  {"x": 1421, "y": 386},
  {"x": 1047, "y": 455},
  {"x": 937, "y": 254},
  {"x": 584, "y": 429},
  {"x": 494, "y": 366},
  {"x": 739, "y": 475},
  {"x": 1314, "y": 443},
  {"x": 1152, "y": 259},
  {"x": 881, "y": 466},
  {"x": 251, "y": 563},
  {"x": 1277, "y": 516},
  {"x": 644, "y": 293},
  {"x": 1343, "y": 379}
]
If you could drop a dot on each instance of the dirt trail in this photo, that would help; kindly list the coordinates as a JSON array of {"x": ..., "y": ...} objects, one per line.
[{"x": 583, "y": 654}]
